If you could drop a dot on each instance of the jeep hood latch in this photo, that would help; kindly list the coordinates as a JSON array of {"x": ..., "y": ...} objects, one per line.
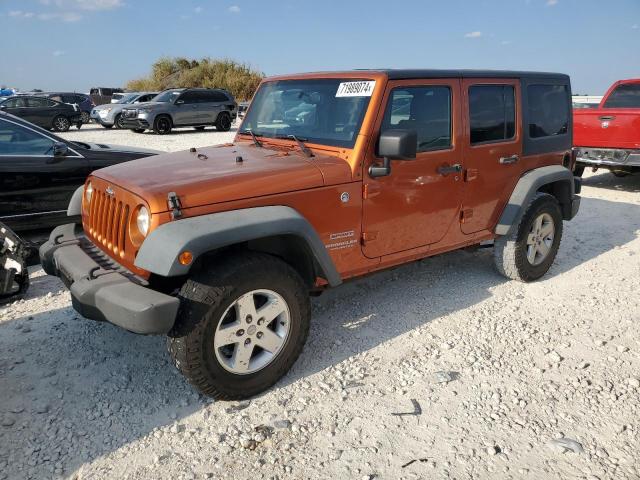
[{"x": 174, "y": 205}]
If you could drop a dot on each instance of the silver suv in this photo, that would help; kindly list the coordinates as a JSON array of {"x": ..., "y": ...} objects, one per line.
[{"x": 183, "y": 107}]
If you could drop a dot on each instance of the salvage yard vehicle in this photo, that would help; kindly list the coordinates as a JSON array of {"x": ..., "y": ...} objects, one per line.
[
  {"x": 39, "y": 173},
  {"x": 183, "y": 107},
  {"x": 44, "y": 112},
  {"x": 609, "y": 136},
  {"x": 110, "y": 114},
  {"x": 331, "y": 176}
]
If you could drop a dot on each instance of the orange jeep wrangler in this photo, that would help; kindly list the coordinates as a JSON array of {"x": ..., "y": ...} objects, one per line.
[{"x": 331, "y": 176}]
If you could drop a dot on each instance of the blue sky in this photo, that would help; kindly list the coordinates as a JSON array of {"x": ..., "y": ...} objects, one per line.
[{"x": 76, "y": 44}]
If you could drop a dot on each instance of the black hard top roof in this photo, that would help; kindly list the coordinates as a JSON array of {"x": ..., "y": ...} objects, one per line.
[{"x": 406, "y": 74}]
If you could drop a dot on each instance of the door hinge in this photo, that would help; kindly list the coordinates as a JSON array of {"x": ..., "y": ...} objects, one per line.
[
  {"x": 466, "y": 214},
  {"x": 175, "y": 205}
]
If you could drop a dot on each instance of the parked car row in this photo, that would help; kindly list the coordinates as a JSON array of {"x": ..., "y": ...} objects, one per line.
[{"x": 44, "y": 112}]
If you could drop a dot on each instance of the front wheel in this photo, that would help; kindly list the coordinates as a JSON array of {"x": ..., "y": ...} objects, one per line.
[
  {"x": 527, "y": 253},
  {"x": 61, "y": 123},
  {"x": 241, "y": 326},
  {"x": 118, "y": 121},
  {"x": 162, "y": 125},
  {"x": 86, "y": 118}
]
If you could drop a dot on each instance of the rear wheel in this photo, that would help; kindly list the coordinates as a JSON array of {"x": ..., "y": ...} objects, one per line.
[
  {"x": 223, "y": 122},
  {"x": 86, "y": 118},
  {"x": 241, "y": 326},
  {"x": 61, "y": 123},
  {"x": 578, "y": 171},
  {"x": 162, "y": 125},
  {"x": 527, "y": 253}
]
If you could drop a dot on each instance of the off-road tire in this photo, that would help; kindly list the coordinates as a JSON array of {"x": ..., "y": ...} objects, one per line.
[
  {"x": 162, "y": 125},
  {"x": 61, "y": 124},
  {"x": 203, "y": 300},
  {"x": 223, "y": 122},
  {"x": 510, "y": 251}
]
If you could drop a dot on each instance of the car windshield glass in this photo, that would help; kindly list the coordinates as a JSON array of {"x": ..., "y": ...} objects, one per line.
[
  {"x": 323, "y": 111},
  {"x": 168, "y": 96},
  {"x": 128, "y": 98}
]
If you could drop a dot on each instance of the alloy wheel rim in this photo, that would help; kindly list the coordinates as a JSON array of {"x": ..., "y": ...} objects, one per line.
[
  {"x": 252, "y": 332},
  {"x": 61, "y": 123},
  {"x": 540, "y": 239},
  {"x": 163, "y": 125}
]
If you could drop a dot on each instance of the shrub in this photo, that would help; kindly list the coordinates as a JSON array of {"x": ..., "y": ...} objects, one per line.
[{"x": 238, "y": 78}]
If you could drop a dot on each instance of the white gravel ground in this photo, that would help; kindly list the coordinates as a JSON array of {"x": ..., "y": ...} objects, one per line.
[
  {"x": 178, "y": 139},
  {"x": 515, "y": 381}
]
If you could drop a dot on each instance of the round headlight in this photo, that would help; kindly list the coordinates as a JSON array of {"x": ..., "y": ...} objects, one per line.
[
  {"x": 143, "y": 220},
  {"x": 88, "y": 191}
]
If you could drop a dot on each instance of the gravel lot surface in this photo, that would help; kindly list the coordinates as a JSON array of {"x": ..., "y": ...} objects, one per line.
[
  {"x": 508, "y": 380},
  {"x": 178, "y": 139}
]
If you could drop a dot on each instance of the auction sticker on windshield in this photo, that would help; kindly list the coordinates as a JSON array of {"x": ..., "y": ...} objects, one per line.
[{"x": 356, "y": 89}]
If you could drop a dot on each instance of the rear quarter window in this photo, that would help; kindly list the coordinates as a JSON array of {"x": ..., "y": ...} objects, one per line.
[
  {"x": 492, "y": 113},
  {"x": 548, "y": 110}
]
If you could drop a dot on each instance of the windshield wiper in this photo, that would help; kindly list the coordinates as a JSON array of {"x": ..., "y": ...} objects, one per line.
[
  {"x": 257, "y": 142},
  {"x": 300, "y": 143}
]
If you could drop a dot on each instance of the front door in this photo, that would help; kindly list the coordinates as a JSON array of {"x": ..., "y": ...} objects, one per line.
[
  {"x": 419, "y": 201},
  {"x": 35, "y": 187},
  {"x": 492, "y": 149},
  {"x": 188, "y": 108}
]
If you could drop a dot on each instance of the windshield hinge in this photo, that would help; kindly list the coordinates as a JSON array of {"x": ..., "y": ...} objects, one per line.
[{"x": 174, "y": 205}]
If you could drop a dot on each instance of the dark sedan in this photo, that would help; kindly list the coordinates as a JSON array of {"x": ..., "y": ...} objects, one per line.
[
  {"x": 39, "y": 172},
  {"x": 44, "y": 112}
]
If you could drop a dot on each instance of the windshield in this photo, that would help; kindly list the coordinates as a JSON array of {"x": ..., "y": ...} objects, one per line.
[
  {"x": 168, "y": 96},
  {"x": 128, "y": 98},
  {"x": 324, "y": 111}
]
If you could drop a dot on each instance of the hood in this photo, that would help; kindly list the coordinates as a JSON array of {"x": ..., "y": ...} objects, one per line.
[{"x": 214, "y": 175}]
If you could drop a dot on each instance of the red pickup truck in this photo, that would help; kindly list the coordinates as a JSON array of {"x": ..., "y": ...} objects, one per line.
[{"x": 609, "y": 136}]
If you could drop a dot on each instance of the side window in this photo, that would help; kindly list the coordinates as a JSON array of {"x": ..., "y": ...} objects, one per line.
[
  {"x": 190, "y": 97},
  {"x": 18, "y": 140},
  {"x": 57, "y": 98},
  {"x": 624, "y": 96},
  {"x": 548, "y": 110},
  {"x": 218, "y": 97},
  {"x": 427, "y": 110},
  {"x": 37, "y": 102},
  {"x": 492, "y": 113},
  {"x": 11, "y": 103},
  {"x": 52, "y": 103},
  {"x": 69, "y": 99}
]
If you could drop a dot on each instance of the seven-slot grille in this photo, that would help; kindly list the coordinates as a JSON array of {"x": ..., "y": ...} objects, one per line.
[{"x": 108, "y": 220}]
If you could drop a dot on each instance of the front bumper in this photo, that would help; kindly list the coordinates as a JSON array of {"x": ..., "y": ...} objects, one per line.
[
  {"x": 102, "y": 290},
  {"x": 135, "y": 123},
  {"x": 607, "y": 157}
]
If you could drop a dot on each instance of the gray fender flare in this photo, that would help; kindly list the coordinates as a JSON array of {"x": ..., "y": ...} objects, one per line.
[
  {"x": 75, "y": 204},
  {"x": 160, "y": 250},
  {"x": 525, "y": 190}
]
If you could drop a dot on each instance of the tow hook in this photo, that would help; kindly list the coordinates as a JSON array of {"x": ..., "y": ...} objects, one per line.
[
  {"x": 14, "y": 277},
  {"x": 174, "y": 205}
]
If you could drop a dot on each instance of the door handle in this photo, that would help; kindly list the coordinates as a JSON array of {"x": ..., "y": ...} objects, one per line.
[
  {"x": 607, "y": 117},
  {"x": 509, "y": 160},
  {"x": 446, "y": 170}
]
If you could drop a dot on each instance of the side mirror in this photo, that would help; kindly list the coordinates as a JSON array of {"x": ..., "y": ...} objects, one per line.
[
  {"x": 179, "y": 102},
  {"x": 60, "y": 149},
  {"x": 394, "y": 145},
  {"x": 2, "y": 107}
]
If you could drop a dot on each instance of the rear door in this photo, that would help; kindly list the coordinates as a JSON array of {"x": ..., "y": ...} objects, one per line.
[
  {"x": 418, "y": 202},
  {"x": 39, "y": 111},
  {"x": 17, "y": 106},
  {"x": 492, "y": 149}
]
